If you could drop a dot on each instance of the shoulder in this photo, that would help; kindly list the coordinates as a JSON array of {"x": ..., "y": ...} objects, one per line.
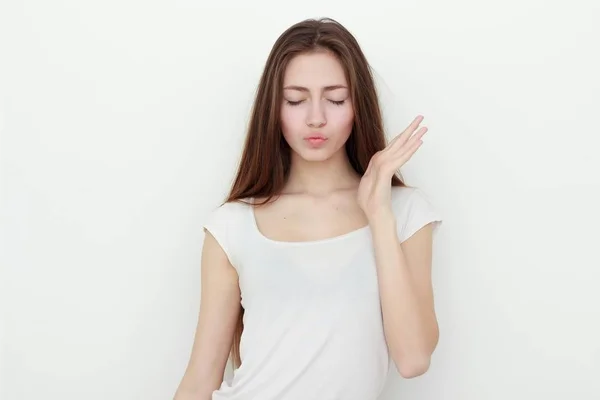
[
  {"x": 227, "y": 212},
  {"x": 226, "y": 224},
  {"x": 402, "y": 193},
  {"x": 413, "y": 210}
]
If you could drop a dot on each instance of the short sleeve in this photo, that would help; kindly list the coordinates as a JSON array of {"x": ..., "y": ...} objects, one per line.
[
  {"x": 413, "y": 211},
  {"x": 219, "y": 223}
]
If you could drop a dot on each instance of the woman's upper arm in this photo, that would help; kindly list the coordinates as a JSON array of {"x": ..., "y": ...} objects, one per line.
[{"x": 219, "y": 311}]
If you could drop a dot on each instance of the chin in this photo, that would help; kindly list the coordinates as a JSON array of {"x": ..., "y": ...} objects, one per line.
[{"x": 314, "y": 155}]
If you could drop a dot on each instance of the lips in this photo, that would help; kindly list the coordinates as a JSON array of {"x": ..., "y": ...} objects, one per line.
[
  {"x": 315, "y": 141},
  {"x": 315, "y": 137}
]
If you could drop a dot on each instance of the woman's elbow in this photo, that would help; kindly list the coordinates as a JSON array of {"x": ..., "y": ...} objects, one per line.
[{"x": 414, "y": 367}]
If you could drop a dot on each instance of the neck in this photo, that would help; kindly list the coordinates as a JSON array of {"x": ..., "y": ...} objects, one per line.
[{"x": 321, "y": 178}]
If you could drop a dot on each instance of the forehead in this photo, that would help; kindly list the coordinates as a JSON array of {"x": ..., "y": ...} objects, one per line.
[{"x": 314, "y": 70}]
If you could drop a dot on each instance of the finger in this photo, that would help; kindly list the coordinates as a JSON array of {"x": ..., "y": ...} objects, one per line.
[
  {"x": 405, "y": 157},
  {"x": 417, "y": 135},
  {"x": 413, "y": 148},
  {"x": 369, "y": 166},
  {"x": 406, "y": 134},
  {"x": 409, "y": 149},
  {"x": 409, "y": 143}
]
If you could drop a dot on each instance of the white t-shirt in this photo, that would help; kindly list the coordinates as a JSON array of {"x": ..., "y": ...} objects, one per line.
[{"x": 312, "y": 322}]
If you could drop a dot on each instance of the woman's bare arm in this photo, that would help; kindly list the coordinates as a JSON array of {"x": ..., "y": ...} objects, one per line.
[{"x": 219, "y": 311}]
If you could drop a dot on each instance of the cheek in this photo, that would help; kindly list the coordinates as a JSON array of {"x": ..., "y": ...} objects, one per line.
[
  {"x": 293, "y": 123},
  {"x": 340, "y": 122},
  {"x": 341, "y": 119},
  {"x": 290, "y": 118}
]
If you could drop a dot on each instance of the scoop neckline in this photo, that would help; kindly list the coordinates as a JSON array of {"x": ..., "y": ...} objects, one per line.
[{"x": 303, "y": 242}]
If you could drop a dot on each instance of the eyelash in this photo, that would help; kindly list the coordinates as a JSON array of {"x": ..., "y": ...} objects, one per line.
[{"x": 295, "y": 103}]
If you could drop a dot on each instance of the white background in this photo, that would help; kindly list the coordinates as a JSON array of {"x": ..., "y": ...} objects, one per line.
[{"x": 121, "y": 124}]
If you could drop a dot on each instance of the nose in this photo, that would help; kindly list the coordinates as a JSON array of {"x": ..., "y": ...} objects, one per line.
[{"x": 316, "y": 116}]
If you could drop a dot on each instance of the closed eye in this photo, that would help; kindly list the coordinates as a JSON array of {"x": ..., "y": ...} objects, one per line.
[{"x": 295, "y": 103}]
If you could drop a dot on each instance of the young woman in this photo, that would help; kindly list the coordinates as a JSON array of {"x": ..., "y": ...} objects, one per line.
[{"x": 316, "y": 271}]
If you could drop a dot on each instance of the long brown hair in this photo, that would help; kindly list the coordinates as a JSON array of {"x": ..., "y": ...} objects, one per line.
[{"x": 265, "y": 162}]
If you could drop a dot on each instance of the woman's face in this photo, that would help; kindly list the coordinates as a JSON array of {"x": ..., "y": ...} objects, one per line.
[{"x": 316, "y": 114}]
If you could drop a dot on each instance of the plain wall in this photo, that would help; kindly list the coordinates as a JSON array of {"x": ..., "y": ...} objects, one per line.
[{"x": 121, "y": 126}]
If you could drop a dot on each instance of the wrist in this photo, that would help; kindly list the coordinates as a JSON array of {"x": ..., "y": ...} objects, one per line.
[{"x": 382, "y": 218}]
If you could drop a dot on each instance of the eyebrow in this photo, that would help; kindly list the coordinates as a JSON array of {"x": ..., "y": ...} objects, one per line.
[{"x": 304, "y": 89}]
